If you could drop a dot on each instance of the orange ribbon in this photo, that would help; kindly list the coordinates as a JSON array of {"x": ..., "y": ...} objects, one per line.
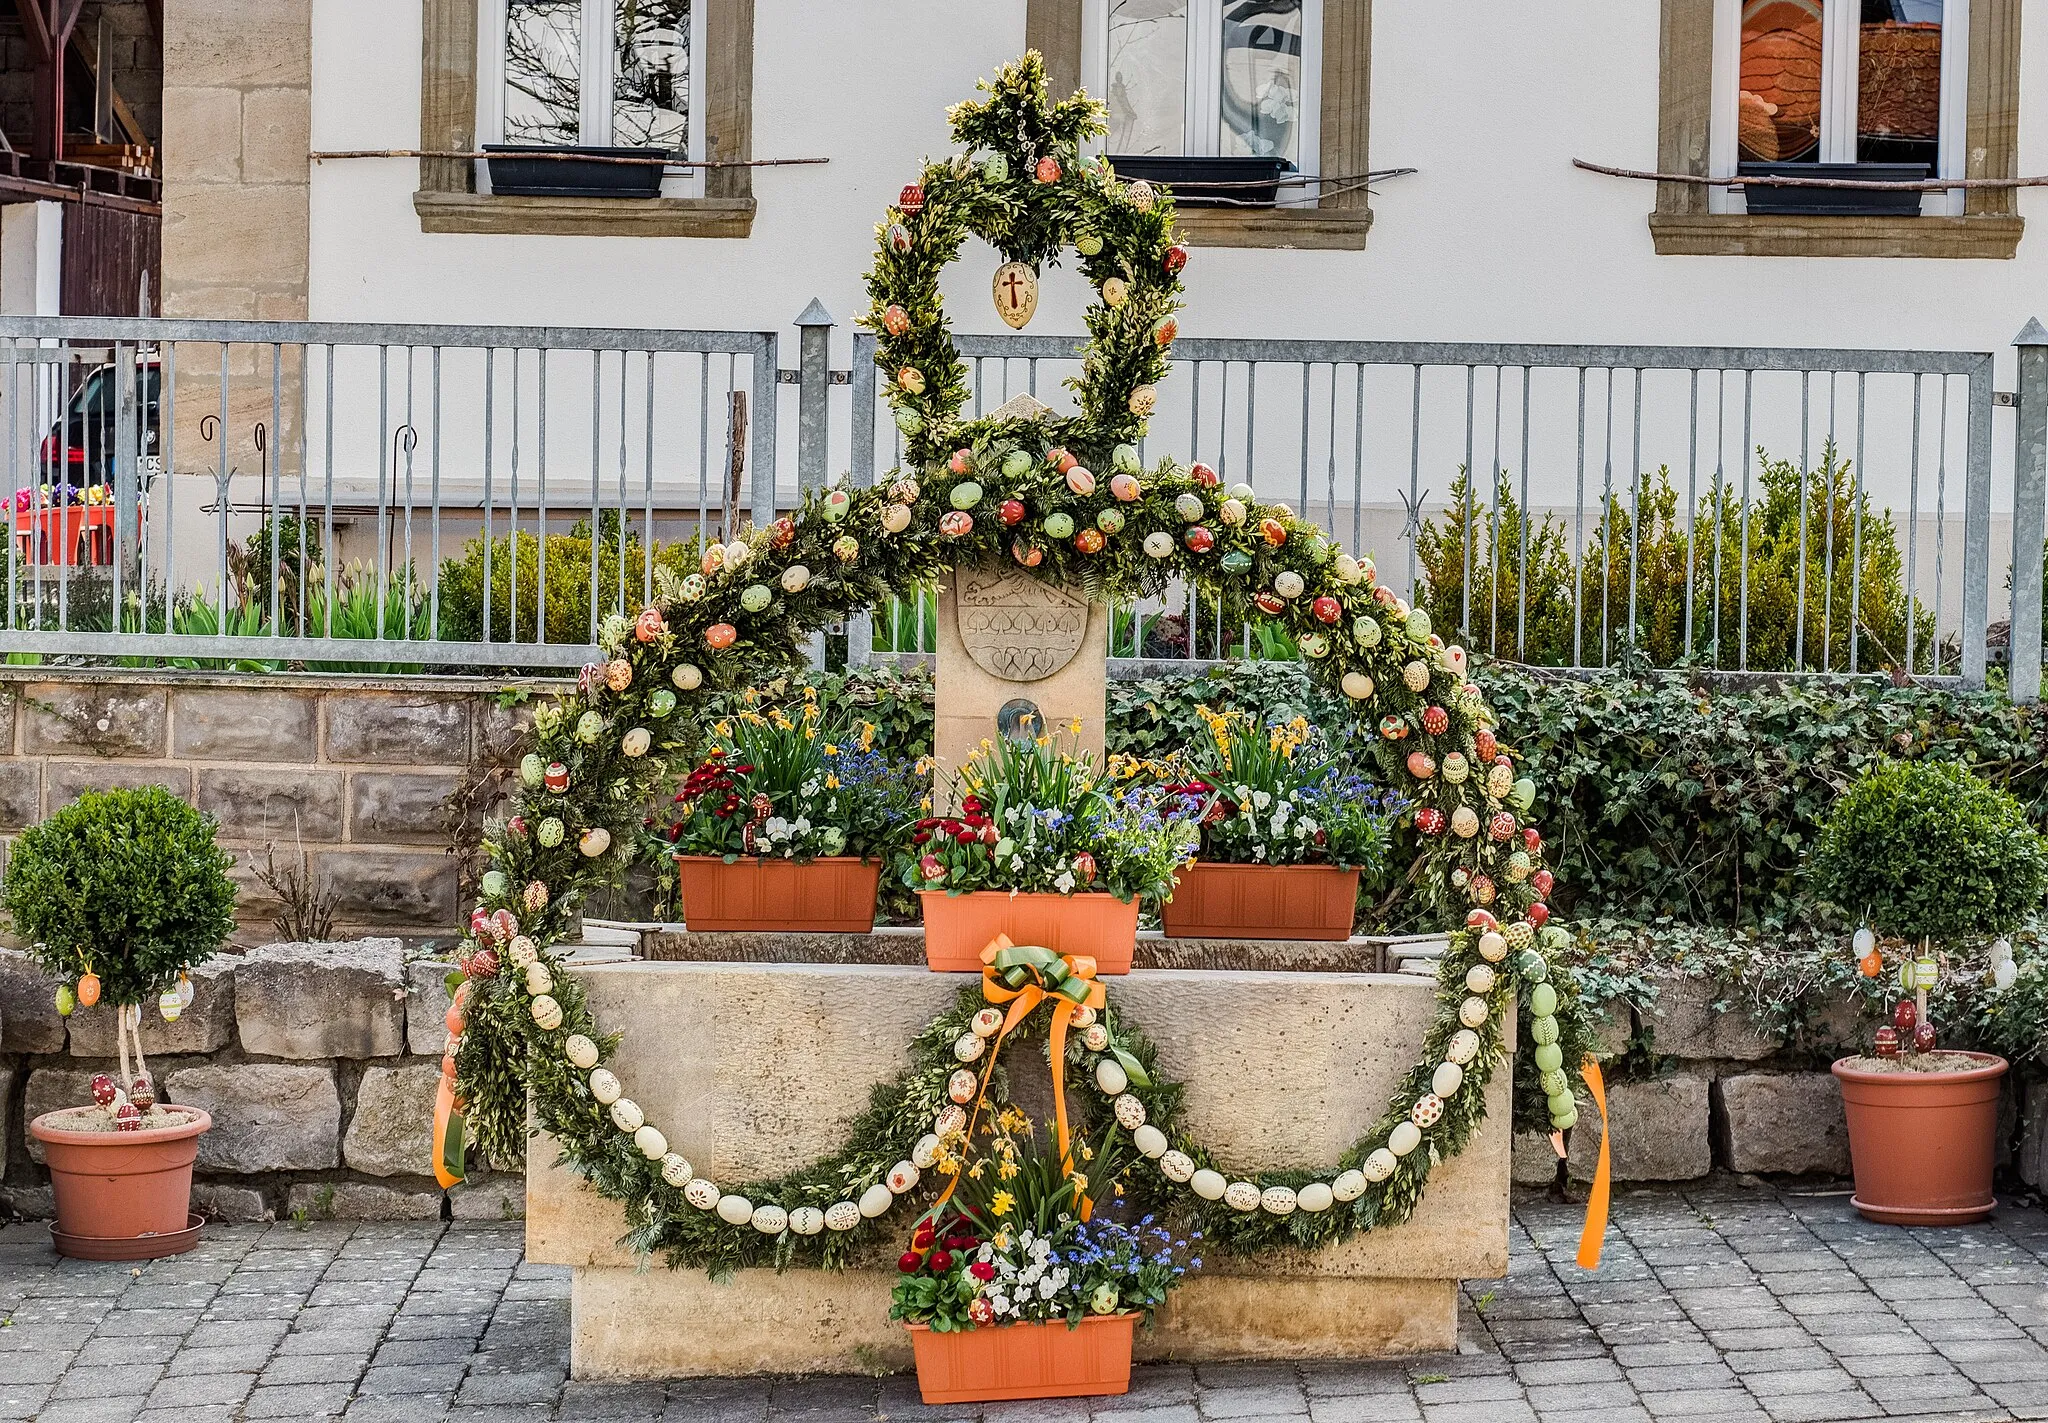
[
  {"x": 1595, "y": 1233},
  {"x": 451, "y": 1129},
  {"x": 1024, "y": 978}
]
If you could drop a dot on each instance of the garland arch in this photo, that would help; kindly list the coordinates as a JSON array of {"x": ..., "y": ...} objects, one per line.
[{"x": 991, "y": 488}]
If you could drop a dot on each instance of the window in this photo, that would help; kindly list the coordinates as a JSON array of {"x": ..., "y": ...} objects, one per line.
[
  {"x": 1209, "y": 78},
  {"x": 594, "y": 73},
  {"x": 1809, "y": 82}
]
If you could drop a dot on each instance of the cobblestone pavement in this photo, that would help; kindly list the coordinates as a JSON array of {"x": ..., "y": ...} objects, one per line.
[{"x": 1717, "y": 1305}]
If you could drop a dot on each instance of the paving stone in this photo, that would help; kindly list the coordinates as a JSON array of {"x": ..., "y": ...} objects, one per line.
[
  {"x": 307, "y": 1400},
  {"x": 332, "y": 1000}
]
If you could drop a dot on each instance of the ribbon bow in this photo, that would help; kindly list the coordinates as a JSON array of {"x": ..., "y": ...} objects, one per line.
[{"x": 1024, "y": 976}]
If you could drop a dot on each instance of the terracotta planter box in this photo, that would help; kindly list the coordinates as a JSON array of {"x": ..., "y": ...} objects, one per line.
[
  {"x": 957, "y": 927},
  {"x": 826, "y": 896},
  {"x": 1261, "y": 902},
  {"x": 1922, "y": 1142},
  {"x": 122, "y": 1195},
  {"x": 1025, "y": 1360}
]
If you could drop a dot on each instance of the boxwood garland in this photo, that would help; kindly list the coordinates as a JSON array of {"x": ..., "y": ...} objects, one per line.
[{"x": 598, "y": 755}]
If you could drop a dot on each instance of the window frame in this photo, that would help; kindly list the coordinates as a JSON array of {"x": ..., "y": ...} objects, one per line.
[
  {"x": 446, "y": 200},
  {"x": 1840, "y": 61},
  {"x": 1202, "y": 85},
  {"x": 1682, "y": 223},
  {"x": 599, "y": 74}
]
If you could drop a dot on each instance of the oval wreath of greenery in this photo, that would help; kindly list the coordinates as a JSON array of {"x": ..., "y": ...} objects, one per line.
[{"x": 600, "y": 754}]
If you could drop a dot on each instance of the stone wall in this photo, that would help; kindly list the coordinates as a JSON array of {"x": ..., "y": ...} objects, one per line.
[
  {"x": 1721, "y": 1095},
  {"x": 318, "y": 1063},
  {"x": 362, "y": 775}
]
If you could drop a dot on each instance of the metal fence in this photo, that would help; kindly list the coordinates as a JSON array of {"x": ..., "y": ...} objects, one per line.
[{"x": 345, "y": 496}]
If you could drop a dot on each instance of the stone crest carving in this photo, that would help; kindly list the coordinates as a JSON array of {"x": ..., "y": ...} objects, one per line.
[{"x": 1015, "y": 626}]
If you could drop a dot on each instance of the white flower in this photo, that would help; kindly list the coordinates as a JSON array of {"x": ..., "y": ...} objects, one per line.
[
  {"x": 1244, "y": 793},
  {"x": 1046, "y": 1289},
  {"x": 803, "y": 824},
  {"x": 1016, "y": 862},
  {"x": 1261, "y": 799},
  {"x": 1065, "y": 883},
  {"x": 775, "y": 827}
]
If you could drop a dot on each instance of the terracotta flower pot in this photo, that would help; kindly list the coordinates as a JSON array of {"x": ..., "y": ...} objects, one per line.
[
  {"x": 1212, "y": 901},
  {"x": 957, "y": 927},
  {"x": 1024, "y": 1360},
  {"x": 1922, "y": 1142},
  {"x": 827, "y": 896},
  {"x": 122, "y": 1195}
]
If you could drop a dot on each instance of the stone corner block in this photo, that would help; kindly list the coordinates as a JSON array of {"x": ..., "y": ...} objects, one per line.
[
  {"x": 234, "y": 1204},
  {"x": 29, "y": 1020},
  {"x": 1661, "y": 1131},
  {"x": 1789, "y": 1122},
  {"x": 206, "y": 1026},
  {"x": 92, "y": 718},
  {"x": 1686, "y": 1023},
  {"x": 495, "y": 1197},
  {"x": 357, "y": 1200},
  {"x": 267, "y": 1116},
  {"x": 426, "y": 1006},
  {"x": 392, "y": 1131},
  {"x": 322, "y": 1000}
]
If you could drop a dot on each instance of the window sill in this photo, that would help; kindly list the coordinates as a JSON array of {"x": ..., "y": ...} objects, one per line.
[
  {"x": 1994, "y": 235},
  {"x": 584, "y": 217},
  {"x": 1331, "y": 229}
]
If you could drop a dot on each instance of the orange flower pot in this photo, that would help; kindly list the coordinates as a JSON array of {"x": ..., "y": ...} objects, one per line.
[
  {"x": 122, "y": 1195},
  {"x": 1025, "y": 1360},
  {"x": 957, "y": 927},
  {"x": 827, "y": 896},
  {"x": 1922, "y": 1142},
  {"x": 1261, "y": 902}
]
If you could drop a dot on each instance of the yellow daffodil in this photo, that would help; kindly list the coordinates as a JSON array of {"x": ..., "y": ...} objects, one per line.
[{"x": 1000, "y": 1204}]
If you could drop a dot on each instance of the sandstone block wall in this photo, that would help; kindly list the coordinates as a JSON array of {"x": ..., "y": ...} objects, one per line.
[
  {"x": 318, "y": 1063},
  {"x": 359, "y": 774}
]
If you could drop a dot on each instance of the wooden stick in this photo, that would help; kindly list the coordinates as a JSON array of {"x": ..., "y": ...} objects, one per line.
[{"x": 1930, "y": 185}]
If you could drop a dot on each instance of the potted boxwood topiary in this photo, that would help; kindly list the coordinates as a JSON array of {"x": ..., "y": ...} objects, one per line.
[
  {"x": 120, "y": 894},
  {"x": 1931, "y": 854}
]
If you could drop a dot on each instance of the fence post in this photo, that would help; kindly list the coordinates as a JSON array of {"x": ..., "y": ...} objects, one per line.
[
  {"x": 1977, "y": 527},
  {"x": 2029, "y": 503},
  {"x": 814, "y": 440}
]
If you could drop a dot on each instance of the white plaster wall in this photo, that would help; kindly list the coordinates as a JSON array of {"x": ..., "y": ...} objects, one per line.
[{"x": 1496, "y": 238}]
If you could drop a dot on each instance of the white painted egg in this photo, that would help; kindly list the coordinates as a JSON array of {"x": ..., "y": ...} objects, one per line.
[
  {"x": 701, "y": 1193},
  {"x": 1472, "y": 1012},
  {"x": 538, "y": 979},
  {"x": 950, "y": 1120},
  {"x": 808, "y": 1220},
  {"x": 1479, "y": 979},
  {"x": 1315, "y": 1196},
  {"x": 1404, "y": 1138},
  {"x": 842, "y": 1215},
  {"x": 653, "y": 1145},
  {"x": 1095, "y": 1037},
  {"x": 987, "y": 1023},
  {"x": 581, "y": 1051},
  {"x": 735, "y": 1210},
  {"x": 926, "y": 1152},
  {"x": 547, "y": 1013},
  {"x": 1348, "y": 1186},
  {"x": 902, "y": 1177},
  {"x": 770, "y": 1220},
  {"x": 1130, "y": 1112},
  {"x": 604, "y": 1086},
  {"x": 1463, "y": 1046},
  {"x": 1380, "y": 1164},
  {"x": 1447, "y": 1079},
  {"x": 675, "y": 1170},
  {"x": 1150, "y": 1141},
  {"x": 969, "y": 1048},
  {"x": 1209, "y": 1185},
  {"x": 626, "y": 1115},
  {"x": 1111, "y": 1077},
  {"x": 1427, "y": 1111},
  {"x": 1241, "y": 1196},
  {"x": 876, "y": 1200},
  {"x": 1176, "y": 1165},
  {"x": 520, "y": 951},
  {"x": 1278, "y": 1200},
  {"x": 1493, "y": 947},
  {"x": 962, "y": 1085}
]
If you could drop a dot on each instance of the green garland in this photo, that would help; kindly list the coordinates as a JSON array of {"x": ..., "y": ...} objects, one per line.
[{"x": 600, "y": 754}]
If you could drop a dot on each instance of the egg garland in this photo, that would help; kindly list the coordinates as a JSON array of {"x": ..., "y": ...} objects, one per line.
[{"x": 588, "y": 767}]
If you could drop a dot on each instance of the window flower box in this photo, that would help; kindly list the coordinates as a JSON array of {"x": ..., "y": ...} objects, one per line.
[
  {"x": 1030, "y": 1360},
  {"x": 957, "y": 927},
  {"x": 830, "y": 895},
  {"x": 1220, "y": 901},
  {"x": 1835, "y": 202}
]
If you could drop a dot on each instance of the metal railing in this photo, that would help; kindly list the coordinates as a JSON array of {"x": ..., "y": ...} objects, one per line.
[
  {"x": 1752, "y": 509},
  {"x": 292, "y": 492},
  {"x": 374, "y": 495}
]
